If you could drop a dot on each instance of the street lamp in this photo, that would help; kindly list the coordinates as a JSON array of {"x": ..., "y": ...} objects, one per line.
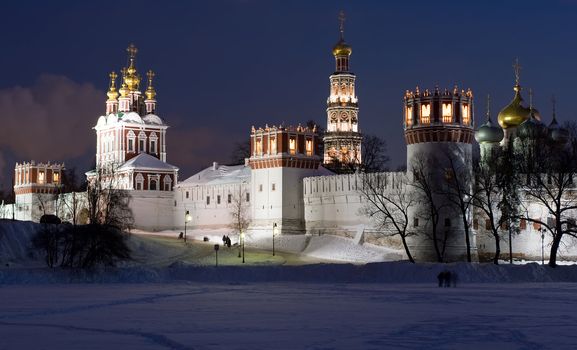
[
  {"x": 273, "y": 234},
  {"x": 542, "y": 246},
  {"x": 187, "y": 219},
  {"x": 242, "y": 239}
]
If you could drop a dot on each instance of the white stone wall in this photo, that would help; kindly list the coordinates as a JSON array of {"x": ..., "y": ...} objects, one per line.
[
  {"x": 213, "y": 215},
  {"x": 152, "y": 210}
]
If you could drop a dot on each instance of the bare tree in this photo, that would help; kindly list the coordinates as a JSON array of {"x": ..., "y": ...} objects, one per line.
[
  {"x": 389, "y": 199},
  {"x": 374, "y": 154},
  {"x": 240, "y": 152},
  {"x": 373, "y": 157},
  {"x": 107, "y": 204},
  {"x": 428, "y": 193},
  {"x": 457, "y": 188},
  {"x": 550, "y": 170},
  {"x": 239, "y": 210},
  {"x": 487, "y": 196}
]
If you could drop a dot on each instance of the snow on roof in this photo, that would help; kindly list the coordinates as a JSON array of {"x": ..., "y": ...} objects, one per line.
[
  {"x": 219, "y": 174},
  {"x": 153, "y": 119},
  {"x": 146, "y": 161}
]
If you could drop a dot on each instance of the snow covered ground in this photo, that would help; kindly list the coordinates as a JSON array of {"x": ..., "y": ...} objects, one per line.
[
  {"x": 172, "y": 297},
  {"x": 288, "y": 316}
]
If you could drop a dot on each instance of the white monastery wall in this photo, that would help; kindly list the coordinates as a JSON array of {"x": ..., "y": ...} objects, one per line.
[{"x": 152, "y": 210}]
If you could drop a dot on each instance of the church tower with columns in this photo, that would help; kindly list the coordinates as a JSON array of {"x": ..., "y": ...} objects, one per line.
[{"x": 342, "y": 139}]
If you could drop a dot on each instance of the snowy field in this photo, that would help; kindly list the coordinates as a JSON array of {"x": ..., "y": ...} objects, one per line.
[
  {"x": 171, "y": 296},
  {"x": 288, "y": 316}
]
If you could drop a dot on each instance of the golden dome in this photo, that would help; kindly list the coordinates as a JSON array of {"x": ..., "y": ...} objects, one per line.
[
  {"x": 342, "y": 49},
  {"x": 124, "y": 90},
  {"x": 112, "y": 93},
  {"x": 515, "y": 113},
  {"x": 150, "y": 92}
]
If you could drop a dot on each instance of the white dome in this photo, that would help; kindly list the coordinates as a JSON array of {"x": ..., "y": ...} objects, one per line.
[
  {"x": 111, "y": 119},
  {"x": 132, "y": 117},
  {"x": 153, "y": 119},
  {"x": 101, "y": 121}
]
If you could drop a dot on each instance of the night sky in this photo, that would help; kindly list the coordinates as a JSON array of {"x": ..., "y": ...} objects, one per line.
[{"x": 222, "y": 66}]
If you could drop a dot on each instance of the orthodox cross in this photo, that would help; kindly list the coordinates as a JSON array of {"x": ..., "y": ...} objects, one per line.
[
  {"x": 342, "y": 23},
  {"x": 113, "y": 77},
  {"x": 517, "y": 69}
]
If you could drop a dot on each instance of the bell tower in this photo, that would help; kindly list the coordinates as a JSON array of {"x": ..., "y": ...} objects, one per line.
[{"x": 342, "y": 140}]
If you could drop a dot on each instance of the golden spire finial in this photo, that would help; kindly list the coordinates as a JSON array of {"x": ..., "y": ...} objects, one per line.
[
  {"x": 112, "y": 93},
  {"x": 517, "y": 69},
  {"x": 342, "y": 19},
  {"x": 150, "y": 92},
  {"x": 113, "y": 77},
  {"x": 488, "y": 107}
]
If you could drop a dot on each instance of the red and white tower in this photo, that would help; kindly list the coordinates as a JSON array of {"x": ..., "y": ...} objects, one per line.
[{"x": 280, "y": 158}]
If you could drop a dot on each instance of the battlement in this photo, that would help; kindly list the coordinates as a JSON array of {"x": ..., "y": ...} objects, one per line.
[
  {"x": 438, "y": 116},
  {"x": 32, "y": 177},
  {"x": 284, "y": 146}
]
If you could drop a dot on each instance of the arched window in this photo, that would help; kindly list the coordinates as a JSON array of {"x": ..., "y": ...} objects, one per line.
[
  {"x": 141, "y": 142},
  {"x": 139, "y": 180},
  {"x": 153, "y": 143},
  {"x": 130, "y": 141},
  {"x": 152, "y": 186},
  {"x": 167, "y": 182},
  {"x": 425, "y": 113}
]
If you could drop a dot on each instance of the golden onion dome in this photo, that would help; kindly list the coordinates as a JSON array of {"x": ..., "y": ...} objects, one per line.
[
  {"x": 124, "y": 90},
  {"x": 342, "y": 49},
  {"x": 150, "y": 93},
  {"x": 515, "y": 113},
  {"x": 112, "y": 94}
]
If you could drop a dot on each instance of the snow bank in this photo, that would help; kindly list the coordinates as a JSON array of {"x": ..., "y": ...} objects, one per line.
[{"x": 388, "y": 272}]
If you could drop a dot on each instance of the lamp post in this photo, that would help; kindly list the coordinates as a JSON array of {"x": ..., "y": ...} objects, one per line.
[
  {"x": 242, "y": 239},
  {"x": 542, "y": 246},
  {"x": 187, "y": 219},
  {"x": 273, "y": 234}
]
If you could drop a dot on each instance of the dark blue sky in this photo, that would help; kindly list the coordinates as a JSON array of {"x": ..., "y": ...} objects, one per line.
[{"x": 223, "y": 66}]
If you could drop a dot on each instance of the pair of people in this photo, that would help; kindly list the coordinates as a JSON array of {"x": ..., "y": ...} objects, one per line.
[
  {"x": 226, "y": 241},
  {"x": 446, "y": 277}
]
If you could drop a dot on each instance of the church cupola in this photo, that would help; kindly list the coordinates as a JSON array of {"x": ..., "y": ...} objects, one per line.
[
  {"x": 342, "y": 51},
  {"x": 150, "y": 93},
  {"x": 112, "y": 102}
]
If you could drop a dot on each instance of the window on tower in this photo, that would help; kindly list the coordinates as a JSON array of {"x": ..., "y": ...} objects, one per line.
[
  {"x": 56, "y": 177},
  {"x": 292, "y": 145},
  {"x": 258, "y": 147},
  {"x": 141, "y": 146},
  {"x": 409, "y": 116},
  {"x": 466, "y": 114},
  {"x": 41, "y": 177},
  {"x": 309, "y": 147},
  {"x": 153, "y": 146},
  {"x": 272, "y": 147},
  {"x": 425, "y": 113},
  {"x": 447, "y": 113},
  {"x": 130, "y": 145}
]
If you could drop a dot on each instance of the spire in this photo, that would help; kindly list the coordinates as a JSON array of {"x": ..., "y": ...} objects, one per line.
[
  {"x": 488, "y": 107},
  {"x": 131, "y": 77},
  {"x": 150, "y": 92},
  {"x": 342, "y": 19},
  {"x": 517, "y": 70},
  {"x": 112, "y": 93}
]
